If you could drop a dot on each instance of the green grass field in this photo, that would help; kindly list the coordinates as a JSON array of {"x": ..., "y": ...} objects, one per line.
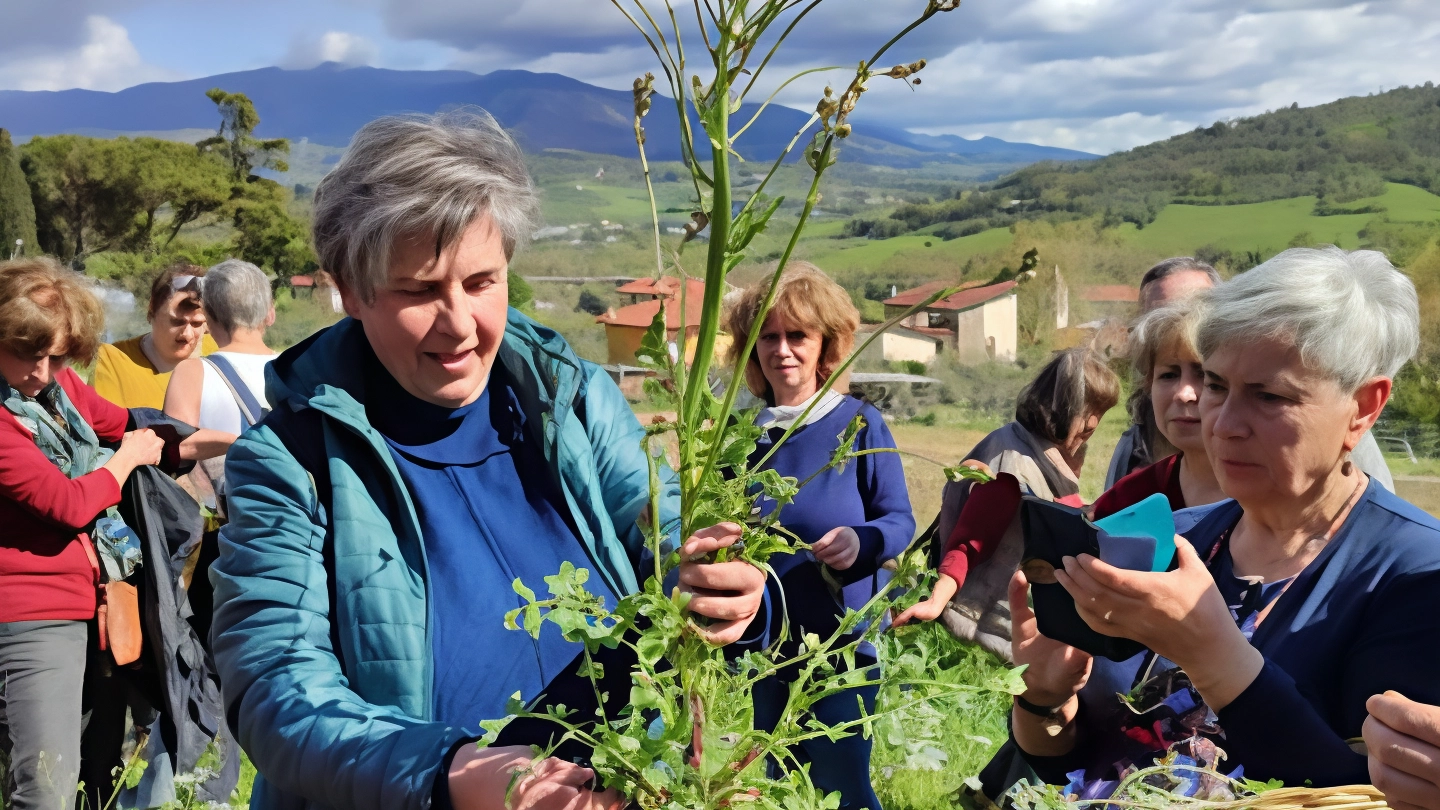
[
  {"x": 861, "y": 254},
  {"x": 1265, "y": 228},
  {"x": 1270, "y": 227}
]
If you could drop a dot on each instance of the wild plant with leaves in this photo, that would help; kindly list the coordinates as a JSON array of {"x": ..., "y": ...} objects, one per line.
[{"x": 686, "y": 737}]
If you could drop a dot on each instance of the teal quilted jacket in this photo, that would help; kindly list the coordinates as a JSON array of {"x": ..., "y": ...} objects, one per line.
[{"x": 320, "y": 628}]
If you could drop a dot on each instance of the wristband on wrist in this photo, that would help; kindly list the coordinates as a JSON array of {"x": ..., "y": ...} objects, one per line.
[{"x": 1046, "y": 712}]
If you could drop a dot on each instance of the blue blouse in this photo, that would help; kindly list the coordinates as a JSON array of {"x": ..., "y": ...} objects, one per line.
[
  {"x": 1363, "y": 617},
  {"x": 489, "y": 513},
  {"x": 868, "y": 495}
]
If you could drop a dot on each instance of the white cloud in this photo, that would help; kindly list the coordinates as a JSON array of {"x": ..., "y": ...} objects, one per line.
[
  {"x": 103, "y": 59},
  {"x": 332, "y": 46}
]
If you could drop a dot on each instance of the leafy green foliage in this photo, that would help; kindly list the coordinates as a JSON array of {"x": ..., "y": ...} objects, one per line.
[
  {"x": 520, "y": 292},
  {"x": 92, "y": 195},
  {"x": 81, "y": 190},
  {"x": 266, "y": 233},
  {"x": 17, "y": 212},
  {"x": 687, "y": 738},
  {"x": 235, "y": 139}
]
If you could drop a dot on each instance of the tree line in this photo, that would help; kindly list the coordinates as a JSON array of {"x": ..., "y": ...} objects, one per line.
[{"x": 74, "y": 197}]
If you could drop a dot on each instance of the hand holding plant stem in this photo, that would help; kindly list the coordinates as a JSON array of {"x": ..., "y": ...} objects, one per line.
[{"x": 686, "y": 737}]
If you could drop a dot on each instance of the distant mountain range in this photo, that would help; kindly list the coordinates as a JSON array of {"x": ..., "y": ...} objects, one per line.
[{"x": 327, "y": 104}]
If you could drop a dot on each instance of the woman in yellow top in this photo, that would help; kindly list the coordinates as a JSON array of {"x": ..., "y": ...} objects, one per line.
[{"x": 134, "y": 373}]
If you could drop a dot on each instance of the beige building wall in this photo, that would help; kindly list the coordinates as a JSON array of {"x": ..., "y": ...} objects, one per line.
[
  {"x": 970, "y": 336},
  {"x": 899, "y": 348},
  {"x": 987, "y": 332},
  {"x": 1002, "y": 323},
  {"x": 621, "y": 343}
]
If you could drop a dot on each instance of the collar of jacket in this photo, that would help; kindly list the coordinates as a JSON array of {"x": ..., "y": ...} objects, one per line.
[{"x": 325, "y": 373}]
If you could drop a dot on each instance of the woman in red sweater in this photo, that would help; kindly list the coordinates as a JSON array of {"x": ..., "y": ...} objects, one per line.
[
  {"x": 56, "y": 480},
  {"x": 1170, "y": 380}
]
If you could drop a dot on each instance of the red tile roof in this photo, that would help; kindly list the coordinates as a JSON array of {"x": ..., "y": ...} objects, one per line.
[
  {"x": 971, "y": 294},
  {"x": 302, "y": 281},
  {"x": 641, "y": 314},
  {"x": 1111, "y": 293},
  {"x": 666, "y": 286}
]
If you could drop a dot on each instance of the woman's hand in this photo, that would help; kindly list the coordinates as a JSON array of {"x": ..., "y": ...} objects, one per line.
[
  {"x": 1178, "y": 614},
  {"x": 838, "y": 549},
  {"x": 1055, "y": 672},
  {"x": 930, "y": 609},
  {"x": 728, "y": 593},
  {"x": 138, "y": 448},
  {"x": 479, "y": 778},
  {"x": 1403, "y": 739}
]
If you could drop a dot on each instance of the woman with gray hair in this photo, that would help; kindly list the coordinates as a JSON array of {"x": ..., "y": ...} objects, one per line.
[
  {"x": 1290, "y": 605},
  {"x": 1043, "y": 452},
  {"x": 424, "y": 454},
  {"x": 225, "y": 390}
]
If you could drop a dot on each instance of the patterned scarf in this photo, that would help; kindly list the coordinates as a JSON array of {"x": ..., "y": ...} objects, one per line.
[{"x": 69, "y": 442}]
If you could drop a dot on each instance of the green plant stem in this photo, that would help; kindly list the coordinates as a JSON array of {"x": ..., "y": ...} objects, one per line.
[
  {"x": 650, "y": 191},
  {"x": 756, "y": 116},
  {"x": 776, "y": 47},
  {"x": 715, "y": 261},
  {"x": 733, "y": 389},
  {"x": 779, "y": 161}
]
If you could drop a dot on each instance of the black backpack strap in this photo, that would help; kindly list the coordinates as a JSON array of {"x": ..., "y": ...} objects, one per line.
[{"x": 933, "y": 544}]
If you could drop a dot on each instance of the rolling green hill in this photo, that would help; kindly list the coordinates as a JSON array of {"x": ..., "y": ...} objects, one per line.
[{"x": 1338, "y": 153}]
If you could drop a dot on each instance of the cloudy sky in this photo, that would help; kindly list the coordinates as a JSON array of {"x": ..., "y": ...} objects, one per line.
[{"x": 1098, "y": 75}]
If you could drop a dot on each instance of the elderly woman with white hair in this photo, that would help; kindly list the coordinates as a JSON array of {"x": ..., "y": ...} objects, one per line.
[
  {"x": 421, "y": 456},
  {"x": 1292, "y": 604}
]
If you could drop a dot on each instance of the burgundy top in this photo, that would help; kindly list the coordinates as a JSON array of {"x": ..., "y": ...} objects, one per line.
[
  {"x": 981, "y": 525},
  {"x": 1161, "y": 477},
  {"x": 47, "y": 571}
]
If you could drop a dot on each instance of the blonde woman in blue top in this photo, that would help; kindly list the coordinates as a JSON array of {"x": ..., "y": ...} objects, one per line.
[{"x": 855, "y": 518}]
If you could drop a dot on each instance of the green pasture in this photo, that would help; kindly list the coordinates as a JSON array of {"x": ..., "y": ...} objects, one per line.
[
  {"x": 1267, "y": 228},
  {"x": 860, "y": 254},
  {"x": 1270, "y": 227}
]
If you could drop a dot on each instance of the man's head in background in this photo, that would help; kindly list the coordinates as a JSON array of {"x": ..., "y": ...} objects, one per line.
[{"x": 1174, "y": 279}]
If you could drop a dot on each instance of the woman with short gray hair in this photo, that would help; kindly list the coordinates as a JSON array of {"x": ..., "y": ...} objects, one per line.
[
  {"x": 1290, "y": 605},
  {"x": 424, "y": 454},
  {"x": 225, "y": 390}
]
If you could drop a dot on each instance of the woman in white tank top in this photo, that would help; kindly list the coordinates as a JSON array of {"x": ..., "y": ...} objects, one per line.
[
  {"x": 238, "y": 310},
  {"x": 219, "y": 409}
]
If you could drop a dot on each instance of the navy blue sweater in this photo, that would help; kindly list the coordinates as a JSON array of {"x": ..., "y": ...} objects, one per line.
[
  {"x": 1362, "y": 618},
  {"x": 868, "y": 495},
  {"x": 490, "y": 513}
]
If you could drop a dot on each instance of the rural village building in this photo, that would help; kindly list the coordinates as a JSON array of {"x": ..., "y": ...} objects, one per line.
[
  {"x": 978, "y": 323},
  {"x": 624, "y": 327},
  {"x": 1118, "y": 301}
]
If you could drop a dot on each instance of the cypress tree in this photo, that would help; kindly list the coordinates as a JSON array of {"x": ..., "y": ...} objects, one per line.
[{"x": 17, "y": 210}]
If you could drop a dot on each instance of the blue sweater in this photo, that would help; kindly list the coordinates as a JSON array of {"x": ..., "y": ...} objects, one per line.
[
  {"x": 489, "y": 513},
  {"x": 868, "y": 495},
  {"x": 1362, "y": 618}
]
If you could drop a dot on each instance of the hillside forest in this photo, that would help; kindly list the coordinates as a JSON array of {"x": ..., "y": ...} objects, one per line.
[{"x": 1359, "y": 172}]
